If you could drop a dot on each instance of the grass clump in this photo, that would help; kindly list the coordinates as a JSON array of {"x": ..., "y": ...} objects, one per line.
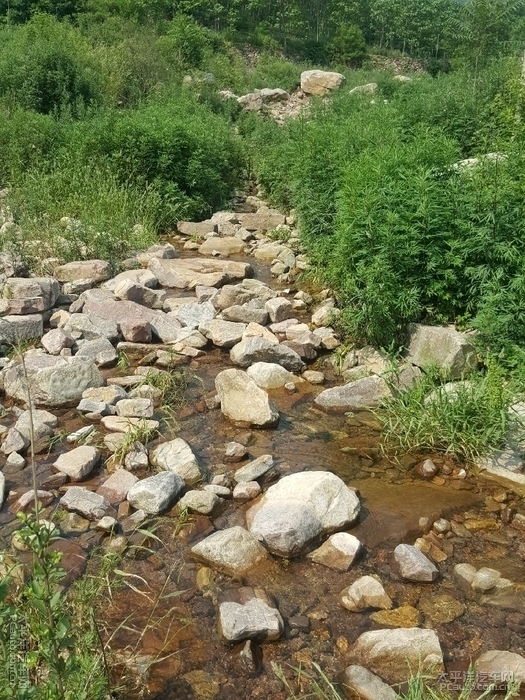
[{"x": 466, "y": 419}]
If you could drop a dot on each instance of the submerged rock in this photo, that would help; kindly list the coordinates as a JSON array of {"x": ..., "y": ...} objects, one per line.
[
  {"x": 234, "y": 550},
  {"x": 242, "y": 400}
]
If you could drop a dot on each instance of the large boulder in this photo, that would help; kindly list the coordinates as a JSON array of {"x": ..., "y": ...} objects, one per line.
[
  {"x": 233, "y": 550},
  {"x": 254, "y": 349},
  {"x": 243, "y": 401},
  {"x": 187, "y": 273},
  {"x": 450, "y": 350},
  {"x": 396, "y": 653},
  {"x": 300, "y": 509},
  {"x": 363, "y": 393},
  {"x": 320, "y": 82},
  {"x": 53, "y": 381}
]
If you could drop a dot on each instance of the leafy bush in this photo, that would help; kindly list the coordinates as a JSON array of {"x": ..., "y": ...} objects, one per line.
[{"x": 43, "y": 68}]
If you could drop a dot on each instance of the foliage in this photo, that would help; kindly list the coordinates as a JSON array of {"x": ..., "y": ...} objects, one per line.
[
  {"x": 40, "y": 634},
  {"x": 466, "y": 419}
]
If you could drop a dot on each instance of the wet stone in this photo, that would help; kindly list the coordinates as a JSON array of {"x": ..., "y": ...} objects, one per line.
[
  {"x": 367, "y": 592},
  {"x": 485, "y": 579},
  {"x": 86, "y": 503},
  {"x": 203, "y": 502},
  {"x": 247, "y": 490},
  {"x": 249, "y": 614},
  {"x": 440, "y": 609},
  {"x": 233, "y": 550},
  {"x": 116, "y": 488},
  {"x": 235, "y": 452},
  {"x": 359, "y": 681},
  {"x": 339, "y": 551},
  {"x": 176, "y": 456},
  {"x": 155, "y": 493},
  {"x": 255, "y": 469},
  {"x": 405, "y": 616},
  {"x": 412, "y": 565}
]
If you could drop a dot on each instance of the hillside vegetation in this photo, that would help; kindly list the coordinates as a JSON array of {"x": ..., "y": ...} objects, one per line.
[{"x": 110, "y": 116}]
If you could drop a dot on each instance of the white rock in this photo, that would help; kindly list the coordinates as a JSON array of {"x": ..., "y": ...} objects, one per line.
[
  {"x": 247, "y": 490},
  {"x": 79, "y": 462},
  {"x": 203, "y": 502},
  {"x": 319, "y": 82},
  {"x": 135, "y": 408},
  {"x": 242, "y": 400},
  {"x": 88, "y": 504},
  {"x": 394, "y": 653},
  {"x": 176, "y": 456},
  {"x": 366, "y": 592},
  {"x": 301, "y": 508},
  {"x": 233, "y": 550},
  {"x": 339, "y": 551},
  {"x": 366, "y": 685},
  {"x": 254, "y": 470},
  {"x": 413, "y": 565},
  {"x": 269, "y": 375},
  {"x": 250, "y": 616}
]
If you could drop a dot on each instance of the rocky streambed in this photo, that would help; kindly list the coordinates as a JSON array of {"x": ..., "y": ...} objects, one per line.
[{"x": 195, "y": 415}]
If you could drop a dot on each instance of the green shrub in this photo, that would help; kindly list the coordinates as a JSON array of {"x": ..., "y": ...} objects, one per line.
[{"x": 43, "y": 67}]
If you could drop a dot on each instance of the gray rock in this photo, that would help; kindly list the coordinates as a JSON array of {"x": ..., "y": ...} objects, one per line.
[
  {"x": 339, "y": 551},
  {"x": 95, "y": 408},
  {"x": 140, "y": 294},
  {"x": 224, "y": 334},
  {"x": 106, "y": 394},
  {"x": 187, "y": 273},
  {"x": 269, "y": 375},
  {"x": 366, "y": 685},
  {"x": 367, "y": 592},
  {"x": 29, "y": 295},
  {"x": 141, "y": 276},
  {"x": 164, "y": 251},
  {"x": 43, "y": 424},
  {"x": 249, "y": 614},
  {"x": 313, "y": 376},
  {"x": 324, "y": 313},
  {"x": 367, "y": 89},
  {"x": 394, "y": 653},
  {"x": 232, "y": 295},
  {"x": 135, "y": 408},
  {"x": 234, "y": 551},
  {"x": 14, "y": 329},
  {"x": 203, "y": 502},
  {"x": 227, "y": 245},
  {"x": 235, "y": 452},
  {"x": 256, "y": 349},
  {"x": 451, "y": 351},
  {"x": 243, "y": 401},
  {"x": 363, "y": 393},
  {"x": 101, "y": 351},
  {"x": 155, "y": 493},
  {"x": 15, "y": 461},
  {"x": 88, "y": 504},
  {"x": 14, "y": 442},
  {"x": 176, "y": 456},
  {"x": 245, "y": 314},
  {"x": 254, "y": 470},
  {"x": 279, "y": 308},
  {"x": 79, "y": 462},
  {"x": 54, "y": 381},
  {"x": 485, "y": 579},
  {"x": 300, "y": 509},
  {"x": 413, "y": 565},
  {"x": 91, "y": 327},
  {"x": 247, "y": 491},
  {"x": 56, "y": 340},
  {"x": 193, "y": 314}
]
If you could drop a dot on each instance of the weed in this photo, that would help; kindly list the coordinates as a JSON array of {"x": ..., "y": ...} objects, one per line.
[
  {"x": 466, "y": 419},
  {"x": 307, "y": 684},
  {"x": 123, "y": 362}
]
